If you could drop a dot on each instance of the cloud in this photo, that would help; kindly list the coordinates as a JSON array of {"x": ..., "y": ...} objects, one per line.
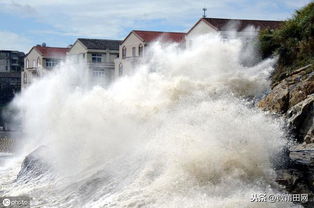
[
  {"x": 18, "y": 8},
  {"x": 110, "y": 18},
  {"x": 13, "y": 41},
  {"x": 115, "y": 18}
]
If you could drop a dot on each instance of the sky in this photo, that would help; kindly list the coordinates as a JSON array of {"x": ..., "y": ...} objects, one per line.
[{"x": 58, "y": 23}]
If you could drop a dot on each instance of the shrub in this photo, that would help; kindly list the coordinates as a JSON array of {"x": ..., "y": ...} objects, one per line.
[{"x": 293, "y": 42}]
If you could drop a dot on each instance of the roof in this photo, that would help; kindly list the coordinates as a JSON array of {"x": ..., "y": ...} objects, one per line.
[
  {"x": 10, "y": 75},
  {"x": 51, "y": 51},
  {"x": 149, "y": 36},
  {"x": 11, "y": 51},
  {"x": 100, "y": 44},
  {"x": 220, "y": 24}
]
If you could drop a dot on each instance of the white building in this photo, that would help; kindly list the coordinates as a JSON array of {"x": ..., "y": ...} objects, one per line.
[
  {"x": 98, "y": 54},
  {"x": 133, "y": 47},
  {"x": 227, "y": 27},
  {"x": 39, "y": 60}
]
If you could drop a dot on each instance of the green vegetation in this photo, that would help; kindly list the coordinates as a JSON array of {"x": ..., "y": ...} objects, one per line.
[{"x": 293, "y": 42}]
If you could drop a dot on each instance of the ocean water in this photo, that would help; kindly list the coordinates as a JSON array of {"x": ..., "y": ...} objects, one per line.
[{"x": 180, "y": 130}]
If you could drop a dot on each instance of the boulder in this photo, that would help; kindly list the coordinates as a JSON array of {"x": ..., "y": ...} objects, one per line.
[
  {"x": 288, "y": 177},
  {"x": 33, "y": 165},
  {"x": 277, "y": 101},
  {"x": 301, "y": 119},
  {"x": 293, "y": 98},
  {"x": 289, "y": 92},
  {"x": 301, "y": 89},
  {"x": 302, "y": 154},
  {"x": 310, "y": 178},
  {"x": 297, "y": 181}
]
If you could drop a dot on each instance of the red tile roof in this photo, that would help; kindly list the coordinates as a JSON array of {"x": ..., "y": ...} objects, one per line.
[
  {"x": 220, "y": 24},
  {"x": 51, "y": 51},
  {"x": 149, "y": 36}
]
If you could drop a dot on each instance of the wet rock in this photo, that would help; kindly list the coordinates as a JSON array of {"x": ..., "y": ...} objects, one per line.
[
  {"x": 303, "y": 154},
  {"x": 288, "y": 177},
  {"x": 310, "y": 178},
  {"x": 301, "y": 119},
  {"x": 33, "y": 166},
  {"x": 296, "y": 181},
  {"x": 293, "y": 99},
  {"x": 289, "y": 92},
  {"x": 301, "y": 89},
  {"x": 309, "y": 138},
  {"x": 277, "y": 101}
]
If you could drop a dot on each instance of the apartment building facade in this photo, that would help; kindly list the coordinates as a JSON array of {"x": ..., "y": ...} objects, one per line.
[
  {"x": 10, "y": 83},
  {"x": 40, "y": 60},
  {"x": 228, "y": 27},
  {"x": 99, "y": 55},
  {"x": 11, "y": 64},
  {"x": 133, "y": 48},
  {"x": 11, "y": 61}
]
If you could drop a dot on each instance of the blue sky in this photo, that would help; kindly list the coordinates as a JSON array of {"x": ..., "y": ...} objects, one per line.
[{"x": 25, "y": 23}]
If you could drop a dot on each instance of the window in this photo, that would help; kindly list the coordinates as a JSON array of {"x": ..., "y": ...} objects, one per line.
[
  {"x": 38, "y": 60},
  {"x": 133, "y": 51},
  {"x": 140, "y": 50},
  {"x": 14, "y": 68},
  {"x": 123, "y": 52},
  {"x": 120, "y": 70},
  {"x": 27, "y": 63},
  {"x": 50, "y": 63},
  {"x": 98, "y": 74},
  {"x": 25, "y": 77},
  {"x": 96, "y": 57},
  {"x": 14, "y": 61},
  {"x": 34, "y": 63}
]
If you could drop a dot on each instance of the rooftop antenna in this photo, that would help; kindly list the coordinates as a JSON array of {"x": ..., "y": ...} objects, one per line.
[{"x": 204, "y": 9}]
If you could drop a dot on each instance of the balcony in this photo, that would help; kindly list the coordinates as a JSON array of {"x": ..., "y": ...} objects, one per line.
[
  {"x": 32, "y": 69},
  {"x": 132, "y": 57},
  {"x": 102, "y": 65},
  {"x": 133, "y": 60}
]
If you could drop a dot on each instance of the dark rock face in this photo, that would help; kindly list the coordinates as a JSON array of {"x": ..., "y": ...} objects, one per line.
[
  {"x": 297, "y": 181},
  {"x": 301, "y": 119},
  {"x": 33, "y": 166},
  {"x": 289, "y": 177},
  {"x": 302, "y": 154}
]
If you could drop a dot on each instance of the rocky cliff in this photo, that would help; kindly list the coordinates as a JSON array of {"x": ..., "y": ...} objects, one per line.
[{"x": 293, "y": 99}]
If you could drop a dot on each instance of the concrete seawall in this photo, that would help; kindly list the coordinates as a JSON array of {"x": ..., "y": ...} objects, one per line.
[{"x": 8, "y": 140}]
